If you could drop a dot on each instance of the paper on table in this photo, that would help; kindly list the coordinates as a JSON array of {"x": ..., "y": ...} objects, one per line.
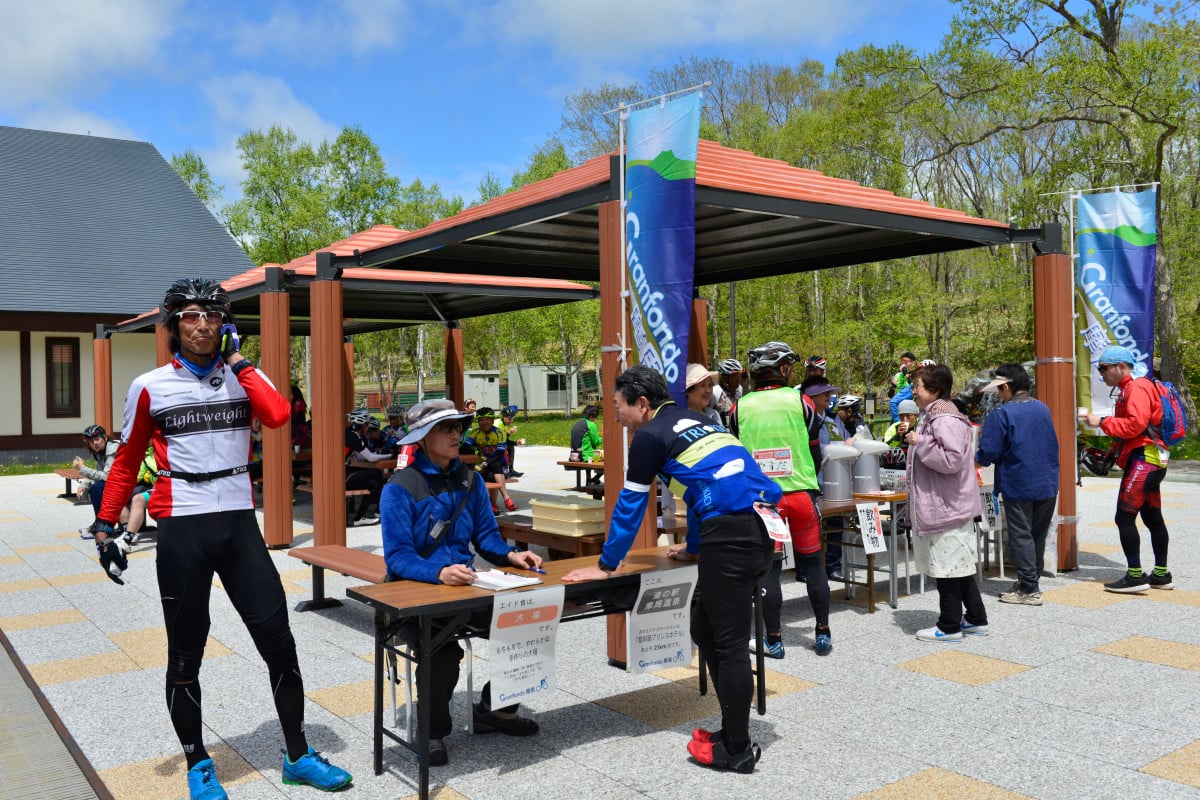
[{"x": 498, "y": 581}]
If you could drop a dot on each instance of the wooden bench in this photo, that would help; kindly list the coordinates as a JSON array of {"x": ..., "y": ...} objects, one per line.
[
  {"x": 68, "y": 475},
  {"x": 352, "y": 563}
]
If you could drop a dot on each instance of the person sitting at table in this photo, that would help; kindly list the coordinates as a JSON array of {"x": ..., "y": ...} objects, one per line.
[
  {"x": 489, "y": 442},
  {"x": 368, "y": 478},
  {"x": 723, "y": 487},
  {"x": 394, "y": 431},
  {"x": 585, "y": 435},
  {"x": 434, "y": 511}
]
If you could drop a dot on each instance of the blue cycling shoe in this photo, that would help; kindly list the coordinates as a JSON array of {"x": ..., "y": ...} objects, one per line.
[
  {"x": 312, "y": 769},
  {"x": 203, "y": 783}
]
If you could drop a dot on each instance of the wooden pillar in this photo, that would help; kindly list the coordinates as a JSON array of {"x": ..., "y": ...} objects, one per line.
[
  {"x": 348, "y": 373},
  {"x": 612, "y": 323},
  {"x": 162, "y": 342},
  {"x": 102, "y": 378},
  {"x": 455, "y": 380},
  {"x": 274, "y": 339},
  {"x": 1054, "y": 345},
  {"x": 328, "y": 411},
  {"x": 698, "y": 333}
]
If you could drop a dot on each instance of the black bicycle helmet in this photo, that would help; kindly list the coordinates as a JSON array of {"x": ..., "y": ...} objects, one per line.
[
  {"x": 772, "y": 355},
  {"x": 204, "y": 291},
  {"x": 94, "y": 430},
  {"x": 395, "y": 411},
  {"x": 1097, "y": 461}
]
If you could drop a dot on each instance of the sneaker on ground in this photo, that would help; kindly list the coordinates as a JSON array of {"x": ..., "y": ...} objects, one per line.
[
  {"x": 203, "y": 783},
  {"x": 87, "y": 533},
  {"x": 936, "y": 634},
  {"x": 836, "y": 576},
  {"x": 1128, "y": 584},
  {"x": 438, "y": 757},
  {"x": 970, "y": 629},
  {"x": 824, "y": 644},
  {"x": 507, "y": 723},
  {"x": 514, "y": 474},
  {"x": 365, "y": 521},
  {"x": 312, "y": 769},
  {"x": 704, "y": 735},
  {"x": 1022, "y": 598},
  {"x": 1161, "y": 581},
  {"x": 510, "y": 504},
  {"x": 713, "y": 754},
  {"x": 773, "y": 649}
]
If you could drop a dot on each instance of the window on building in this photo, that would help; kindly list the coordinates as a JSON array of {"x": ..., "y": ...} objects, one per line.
[
  {"x": 556, "y": 382},
  {"x": 62, "y": 377}
]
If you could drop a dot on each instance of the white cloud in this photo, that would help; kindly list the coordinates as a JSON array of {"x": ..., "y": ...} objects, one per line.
[
  {"x": 56, "y": 47},
  {"x": 620, "y": 28},
  {"x": 356, "y": 25},
  {"x": 71, "y": 120},
  {"x": 248, "y": 101}
]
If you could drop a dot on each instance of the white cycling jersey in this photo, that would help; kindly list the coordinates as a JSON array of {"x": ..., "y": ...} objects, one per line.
[{"x": 197, "y": 426}]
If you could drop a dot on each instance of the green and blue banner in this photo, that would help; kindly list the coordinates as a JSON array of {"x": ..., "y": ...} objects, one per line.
[
  {"x": 1114, "y": 286},
  {"x": 660, "y": 233}
]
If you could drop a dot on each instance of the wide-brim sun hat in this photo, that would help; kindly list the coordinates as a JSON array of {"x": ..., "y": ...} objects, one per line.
[
  {"x": 820, "y": 388},
  {"x": 995, "y": 385},
  {"x": 697, "y": 373},
  {"x": 422, "y": 417}
]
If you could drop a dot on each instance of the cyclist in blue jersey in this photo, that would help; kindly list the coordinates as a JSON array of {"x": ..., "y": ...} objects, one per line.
[{"x": 721, "y": 484}]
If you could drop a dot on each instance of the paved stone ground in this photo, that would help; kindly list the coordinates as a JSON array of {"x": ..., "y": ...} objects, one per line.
[{"x": 1090, "y": 695}]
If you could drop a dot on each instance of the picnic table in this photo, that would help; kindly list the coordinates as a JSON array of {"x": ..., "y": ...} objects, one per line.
[{"x": 580, "y": 468}]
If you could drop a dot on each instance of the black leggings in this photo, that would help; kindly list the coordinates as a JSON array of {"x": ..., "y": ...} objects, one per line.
[
  {"x": 228, "y": 544},
  {"x": 1140, "y": 494},
  {"x": 816, "y": 582},
  {"x": 735, "y": 554}
]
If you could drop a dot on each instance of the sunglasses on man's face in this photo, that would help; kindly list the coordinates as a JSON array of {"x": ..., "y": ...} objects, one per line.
[
  {"x": 196, "y": 317},
  {"x": 1104, "y": 367},
  {"x": 449, "y": 427}
]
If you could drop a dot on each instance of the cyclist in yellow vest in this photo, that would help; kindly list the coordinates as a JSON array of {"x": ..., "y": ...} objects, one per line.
[{"x": 770, "y": 422}]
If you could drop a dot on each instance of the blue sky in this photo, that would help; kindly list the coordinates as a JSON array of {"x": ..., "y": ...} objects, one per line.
[{"x": 448, "y": 90}]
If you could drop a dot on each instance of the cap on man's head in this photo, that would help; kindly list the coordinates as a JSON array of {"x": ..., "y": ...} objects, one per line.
[
  {"x": 1115, "y": 354},
  {"x": 697, "y": 373},
  {"x": 422, "y": 417},
  {"x": 908, "y": 407},
  {"x": 820, "y": 388}
]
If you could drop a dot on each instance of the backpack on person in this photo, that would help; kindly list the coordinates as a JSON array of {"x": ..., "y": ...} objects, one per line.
[{"x": 1173, "y": 428}]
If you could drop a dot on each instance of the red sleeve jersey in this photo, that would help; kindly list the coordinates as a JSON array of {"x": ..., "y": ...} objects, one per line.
[
  {"x": 196, "y": 425},
  {"x": 1136, "y": 408}
]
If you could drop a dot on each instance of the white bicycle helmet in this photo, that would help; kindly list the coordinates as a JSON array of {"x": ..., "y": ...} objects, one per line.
[
  {"x": 929, "y": 362},
  {"x": 849, "y": 401},
  {"x": 358, "y": 416},
  {"x": 730, "y": 366}
]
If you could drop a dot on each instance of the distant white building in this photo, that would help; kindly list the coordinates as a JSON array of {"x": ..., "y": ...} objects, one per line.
[
  {"x": 542, "y": 387},
  {"x": 482, "y": 386}
]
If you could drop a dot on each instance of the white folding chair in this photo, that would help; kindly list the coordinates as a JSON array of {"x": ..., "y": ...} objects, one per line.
[{"x": 402, "y": 650}]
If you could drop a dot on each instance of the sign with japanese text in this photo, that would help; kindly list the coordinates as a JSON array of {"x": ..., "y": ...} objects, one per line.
[
  {"x": 871, "y": 528},
  {"x": 523, "y": 636},
  {"x": 658, "y": 632}
]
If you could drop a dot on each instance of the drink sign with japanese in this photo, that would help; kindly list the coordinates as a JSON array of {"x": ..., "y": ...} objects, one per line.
[
  {"x": 523, "y": 636},
  {"x": 871, "y": 528},
  {"x": 988, "y": 500},
  {"x": 658, "y": 632}
]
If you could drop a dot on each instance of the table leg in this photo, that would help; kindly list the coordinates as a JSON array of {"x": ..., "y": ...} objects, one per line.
[
  {"x": 870, "y": 583},
  {"x": 424, "y": 689},
  {"x": 378, "y": 730},
  {"x": 892, "y": 590}
]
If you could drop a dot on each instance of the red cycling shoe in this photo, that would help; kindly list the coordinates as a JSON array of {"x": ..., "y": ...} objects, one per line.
[
  {"x": 510, "y": 504},
  {"x": 713, "y": 754},
  {"x": 702, "y": 735}
]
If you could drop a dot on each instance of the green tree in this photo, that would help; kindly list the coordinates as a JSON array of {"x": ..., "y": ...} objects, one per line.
[
  {"x": 361, "y": 192},
  {"x": 190, "y": 167}
]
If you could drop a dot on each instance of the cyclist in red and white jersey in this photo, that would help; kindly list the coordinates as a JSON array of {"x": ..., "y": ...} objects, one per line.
[{"x": 196, "y": 413}]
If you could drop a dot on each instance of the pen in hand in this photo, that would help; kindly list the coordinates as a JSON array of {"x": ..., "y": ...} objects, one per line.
[
  {"x": 471, "y": 564},
  {"x": 538, "y": 570}
]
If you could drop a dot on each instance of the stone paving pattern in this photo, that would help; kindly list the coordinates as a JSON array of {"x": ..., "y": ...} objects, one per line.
[{"x": 1090, "y": 695}]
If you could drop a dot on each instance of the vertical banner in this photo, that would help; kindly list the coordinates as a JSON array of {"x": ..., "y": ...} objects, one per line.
[
  {"x": 522, "y": 643},
  {"x": 660, "y": 231},
  {"x": 659, "y": 627},
  {"x": 1114, "y": 286},
  {"x": 871, "y": 528}
]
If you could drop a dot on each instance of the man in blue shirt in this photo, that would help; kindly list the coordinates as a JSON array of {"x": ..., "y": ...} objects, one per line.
[
  {"x": 1019, "y": 439},
  {"x": 721, "y": 484}
]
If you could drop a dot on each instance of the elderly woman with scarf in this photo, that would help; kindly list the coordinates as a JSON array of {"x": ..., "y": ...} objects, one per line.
[{"x": 943, "y": 502}]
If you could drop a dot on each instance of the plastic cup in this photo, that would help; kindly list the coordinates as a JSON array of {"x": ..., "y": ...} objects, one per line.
[{"x": 1082, "y": 411}]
